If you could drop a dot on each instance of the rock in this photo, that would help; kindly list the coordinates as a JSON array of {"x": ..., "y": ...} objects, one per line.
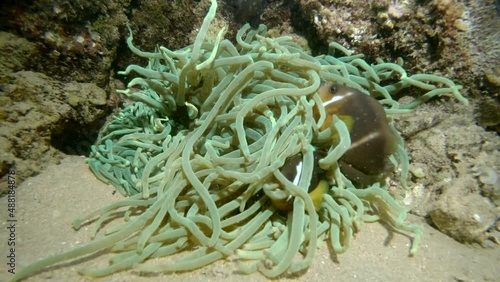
[
  {"x": 43, "y": 118},
  {"x": 462, "y": 215}
]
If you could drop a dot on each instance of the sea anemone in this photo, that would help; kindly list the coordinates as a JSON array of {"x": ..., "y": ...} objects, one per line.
[{"x": 199, "y": 152}]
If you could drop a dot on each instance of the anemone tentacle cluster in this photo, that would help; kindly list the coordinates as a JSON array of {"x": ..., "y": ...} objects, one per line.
[{"x": 198, "y": 154}]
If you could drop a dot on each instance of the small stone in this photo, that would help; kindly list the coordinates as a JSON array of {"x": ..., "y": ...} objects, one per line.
[
  {"x": 417, "y": 171},
  {"x": 461, "y": 25},
  {"x": 465, "y": 217}
]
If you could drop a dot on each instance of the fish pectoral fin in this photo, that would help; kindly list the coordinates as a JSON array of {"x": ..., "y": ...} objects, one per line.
[
  {"x": 317, "y": 194},
  {"x": 348, "y": 120}
]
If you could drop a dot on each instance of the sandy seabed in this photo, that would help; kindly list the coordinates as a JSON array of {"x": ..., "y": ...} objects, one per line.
[{"x": 47, "y": 204}]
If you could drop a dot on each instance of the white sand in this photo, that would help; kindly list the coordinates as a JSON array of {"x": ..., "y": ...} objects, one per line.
[{"x": 47, "y": 204}]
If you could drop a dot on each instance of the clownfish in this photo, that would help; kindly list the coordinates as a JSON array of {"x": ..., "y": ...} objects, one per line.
[
  {"x": 373, "y": 141},
  {"x": 292, "y": 170}
]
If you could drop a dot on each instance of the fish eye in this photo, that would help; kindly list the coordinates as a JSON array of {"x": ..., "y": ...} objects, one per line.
[{"x": 333, "y": 89}]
